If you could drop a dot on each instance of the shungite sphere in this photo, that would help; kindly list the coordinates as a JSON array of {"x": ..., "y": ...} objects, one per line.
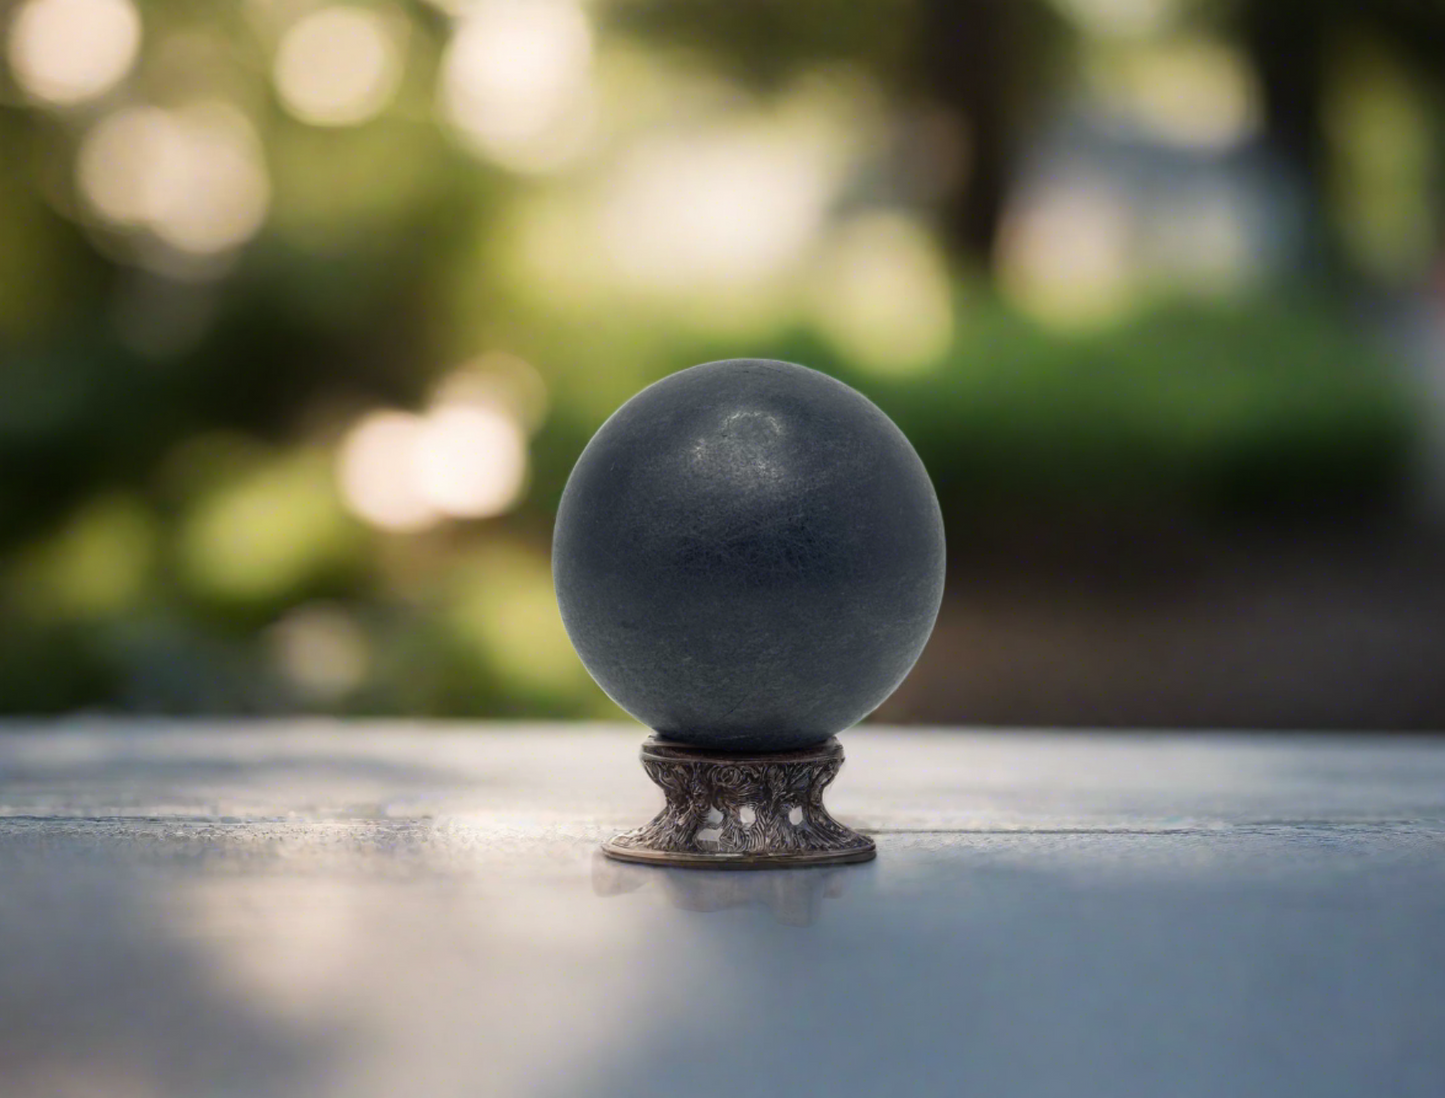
[{"x": 749, "y": 556}]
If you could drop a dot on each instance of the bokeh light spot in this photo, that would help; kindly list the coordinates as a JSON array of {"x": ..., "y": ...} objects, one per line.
[
  {"x": 720, "y": 209},
  {"x": 1120, "y": 18},
  {"x": 1194, "y": 94},
  {"x": 338, "y": 66},
  {"x": 321, "y": 651},
  {"x": 119, "y": 162},
  {"x": 67, "y": 51},
  {"x": 498, "y": 378},
  {"x": 1065, "y": 253},
  {"x": 193, "y": 176},
  {"x": 376, "y": 468},
  {"x": 516, "y": 82},
  {"x": 471, "y": 460},
  {"x": 465, "y": 458}
]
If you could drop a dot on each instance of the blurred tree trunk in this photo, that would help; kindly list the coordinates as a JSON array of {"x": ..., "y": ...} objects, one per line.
[
  {"x": 966, "y": 57},
  {"x": 1287, "y": 42},
  {"x": 1290, "y": 43}
]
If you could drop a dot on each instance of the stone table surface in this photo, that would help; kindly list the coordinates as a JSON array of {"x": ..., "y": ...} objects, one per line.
[{"x": 414, "y": 910}]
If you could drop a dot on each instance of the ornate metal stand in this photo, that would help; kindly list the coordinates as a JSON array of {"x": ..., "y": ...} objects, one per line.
[{"x": 741, "y": 811}]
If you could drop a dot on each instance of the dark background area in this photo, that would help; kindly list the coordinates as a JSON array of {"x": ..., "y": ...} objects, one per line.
[{"x": 307, "y": 309}]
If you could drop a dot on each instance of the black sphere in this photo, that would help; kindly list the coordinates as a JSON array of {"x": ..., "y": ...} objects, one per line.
[{"x": 749, "y": 556}]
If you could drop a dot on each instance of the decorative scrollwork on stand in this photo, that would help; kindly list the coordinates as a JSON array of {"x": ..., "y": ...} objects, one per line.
[{"x": 741, "y": 811}]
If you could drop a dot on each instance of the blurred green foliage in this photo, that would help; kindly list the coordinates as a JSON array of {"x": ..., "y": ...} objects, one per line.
[{"x": 174, "y": 530}]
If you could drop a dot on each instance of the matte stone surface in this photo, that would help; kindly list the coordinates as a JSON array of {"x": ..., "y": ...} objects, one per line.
[
  {"x": 320, "y": 910},
  {"x": 749, "y": 555}
]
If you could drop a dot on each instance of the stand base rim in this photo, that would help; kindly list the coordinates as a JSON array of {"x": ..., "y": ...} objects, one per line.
[{"x": 794, "y": 859}]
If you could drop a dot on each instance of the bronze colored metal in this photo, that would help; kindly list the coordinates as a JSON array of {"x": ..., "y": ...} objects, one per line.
[{"x": 758, "y": 810}]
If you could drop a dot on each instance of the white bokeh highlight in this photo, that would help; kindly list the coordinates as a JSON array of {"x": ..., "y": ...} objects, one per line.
[
  {"x": 376, "y": 471},
  {"x": 466, "y": 457},
  {"x": 194, "y": 176},
  {"x": 64, "y": 52},
  {"x": 516, "y": 82},
  {"x": 471, "y": 461},
  {"x": 719, "y": 208},
  {"x": 338, "y": 66}
]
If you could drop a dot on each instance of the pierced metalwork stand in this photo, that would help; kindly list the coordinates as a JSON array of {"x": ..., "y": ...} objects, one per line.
[{"x": 741, "y": 811}]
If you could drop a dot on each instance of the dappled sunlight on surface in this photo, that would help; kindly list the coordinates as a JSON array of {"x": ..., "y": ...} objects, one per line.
[{"x": 363, "y": 911}]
